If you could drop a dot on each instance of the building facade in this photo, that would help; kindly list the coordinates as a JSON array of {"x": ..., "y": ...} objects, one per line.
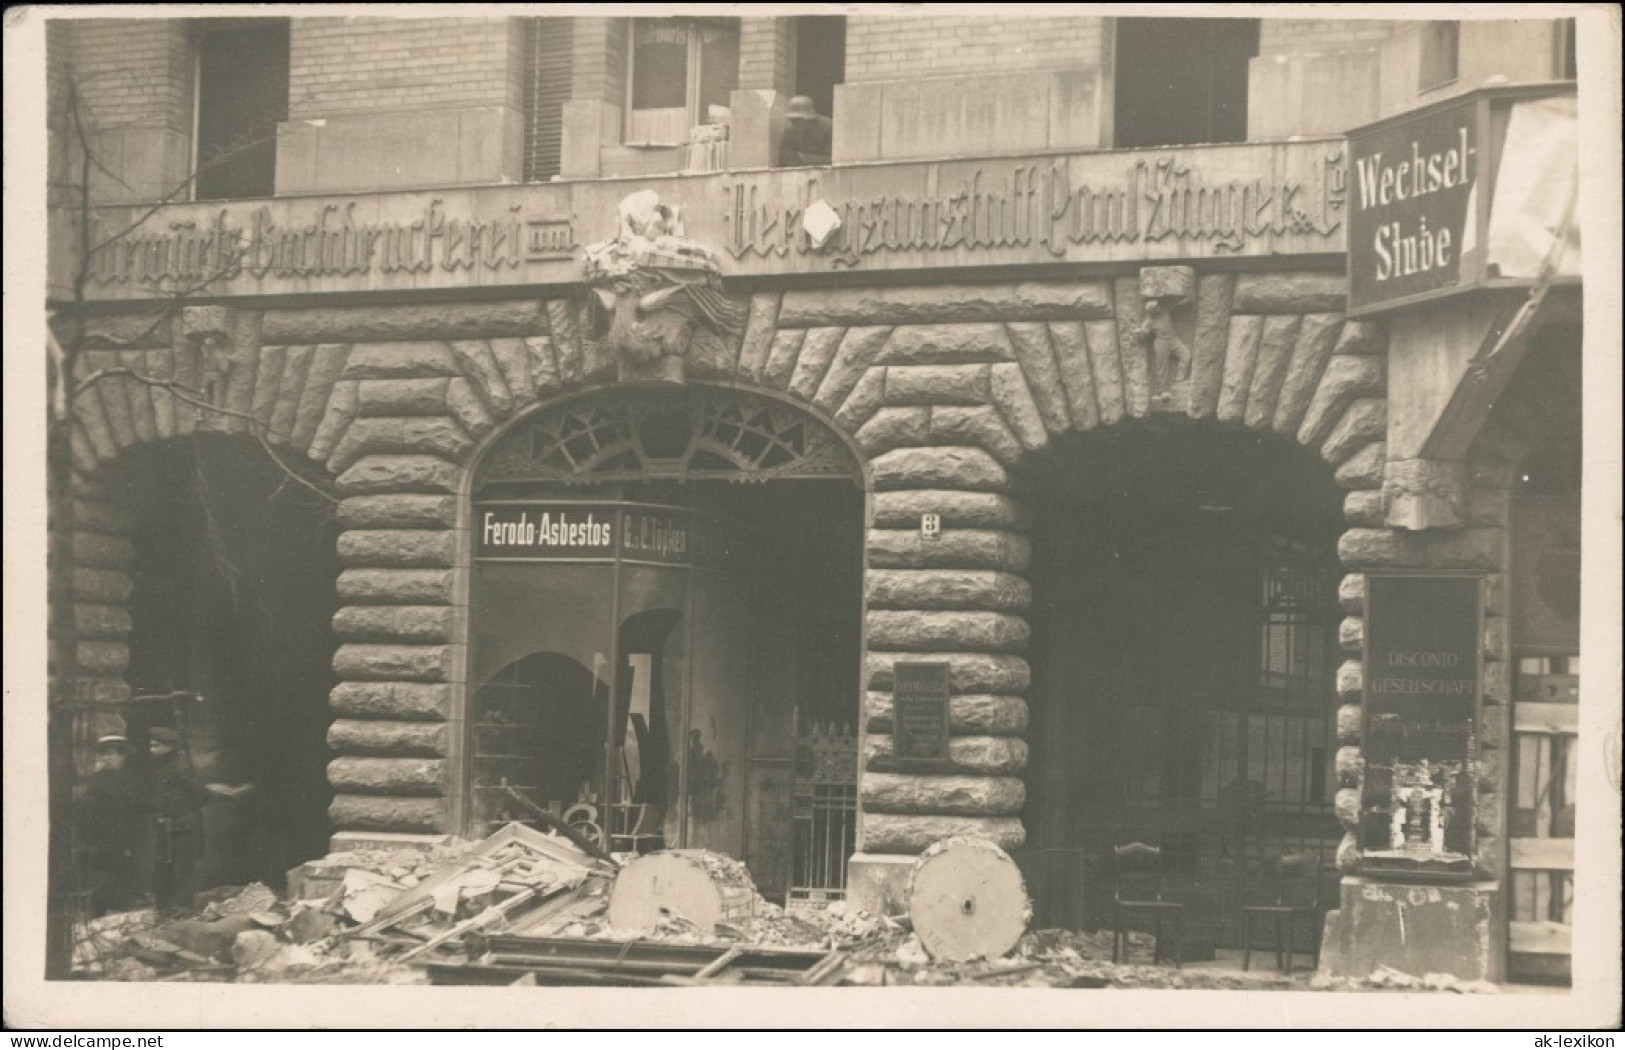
[{"x": 812, "y": 437}]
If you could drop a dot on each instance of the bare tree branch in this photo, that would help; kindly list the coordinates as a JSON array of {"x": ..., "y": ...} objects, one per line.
[{"x": 261, "y": 431}]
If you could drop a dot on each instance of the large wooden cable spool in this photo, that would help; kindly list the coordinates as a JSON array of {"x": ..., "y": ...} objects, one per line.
[
  {"x": 694, "y": 885},
  {"x": 967, "y": 900}
]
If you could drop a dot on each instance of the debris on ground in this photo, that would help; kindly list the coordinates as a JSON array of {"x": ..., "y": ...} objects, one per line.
[{"x": 530, "y": 907}]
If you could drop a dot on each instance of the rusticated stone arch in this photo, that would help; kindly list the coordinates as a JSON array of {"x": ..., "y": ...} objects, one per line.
[
  {"x": 202, "y": 372},
  {"x": 943, "y": 390},
  {"x": 425, "y": 413},
  {"x": 949, "y": 389}
]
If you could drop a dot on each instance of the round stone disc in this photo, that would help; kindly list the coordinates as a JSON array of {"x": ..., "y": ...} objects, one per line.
[{"x": 967, "y": 900}]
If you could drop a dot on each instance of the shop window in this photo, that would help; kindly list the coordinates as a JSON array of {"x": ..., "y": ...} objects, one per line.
[
  {"x": 1440, "y": 47},
  {"x": 683, "y": 71},
  {"x": 661, "y": 656},
  {"x": 242, "y": 94},
  {"x": 1182, "y": 81},
  {"x": 547, "y": 88}
]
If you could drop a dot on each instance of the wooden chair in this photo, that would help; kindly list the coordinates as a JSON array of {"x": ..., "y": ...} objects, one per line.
[
  {"x": 1137, "y": 891},
  {"x": 1296, "y": 894}
]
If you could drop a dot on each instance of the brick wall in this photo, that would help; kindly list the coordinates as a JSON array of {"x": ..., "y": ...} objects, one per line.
[
  {"x": 1282, "y": 35},
  {"x": 766, "y": 54},
  {"x": 897, "y": 48},
  {"x": 131, "y": 72},
  {"x": 598, "y": 69},
  {"x": 351, "y": 65}
]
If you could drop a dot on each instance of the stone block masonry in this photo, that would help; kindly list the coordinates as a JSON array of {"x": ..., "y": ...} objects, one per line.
[{"x": 948, "y": 391}]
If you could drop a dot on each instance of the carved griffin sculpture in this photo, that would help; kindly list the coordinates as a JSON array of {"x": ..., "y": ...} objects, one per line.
[{"x": 655, "y": 291}]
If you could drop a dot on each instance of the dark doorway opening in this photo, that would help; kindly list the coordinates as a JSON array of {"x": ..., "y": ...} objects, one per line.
[
  {"x": 242, "y": 94},
  {"x": 820, "y": 59},
  {"x": 1185, "y": 639},
  {"x": 1183, "y": 81},
  {"x": 1541, "y": 409},
  {"x": 231, "y": 613}
]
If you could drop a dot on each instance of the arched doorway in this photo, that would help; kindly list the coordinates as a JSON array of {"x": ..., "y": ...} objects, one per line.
[
  {"x": 665, "y": 621},
  {"x": 1185, "y": 640},
  {"x": 230, "y": 610}
]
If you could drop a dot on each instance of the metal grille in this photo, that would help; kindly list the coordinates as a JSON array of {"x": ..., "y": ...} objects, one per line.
[
  {"x": 1228, "y": 780},
  {"x": 826, "y": 809},
  {"x": 1293, "y": 644},
  {"x": 547, "y": 88},
  {"x": 687, "y": 436}
]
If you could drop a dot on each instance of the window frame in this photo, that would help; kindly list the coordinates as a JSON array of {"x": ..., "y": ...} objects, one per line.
[
  {"x": 1439, "y": 57},
  {"x": 693, "y": 73},
  {"x": 203, "y": 32}
]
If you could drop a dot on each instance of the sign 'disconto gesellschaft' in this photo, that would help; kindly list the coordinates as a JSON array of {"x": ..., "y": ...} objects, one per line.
[{"x": 1422, "y": 686}]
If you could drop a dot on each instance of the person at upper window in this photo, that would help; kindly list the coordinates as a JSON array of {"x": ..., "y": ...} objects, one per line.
[{"x": 806, "y": 138}]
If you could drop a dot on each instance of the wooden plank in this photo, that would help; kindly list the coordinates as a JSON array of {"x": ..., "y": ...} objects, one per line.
[
  {"x": 1545, "y": 718},
  {"x": 1543, "y": 854},
  {"x": 1543, "y": 782},
  {"x": 1543, "y": 896},
  {"x": 1540, "y": 938},
  {"x": 1523, "y": 896},
  {"x": 1528, "y": 768}
]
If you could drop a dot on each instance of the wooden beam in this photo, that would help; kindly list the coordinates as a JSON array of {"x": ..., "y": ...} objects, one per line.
[
  {"x": 1545, "y": 718},
  {"x": 1540, "y": 938},
  {"x": 1543, "y": 854}
]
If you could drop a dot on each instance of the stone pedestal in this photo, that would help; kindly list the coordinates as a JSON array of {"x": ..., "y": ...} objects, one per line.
[
  {"x": 342, "y": 841},
  {"x": 316, "y": 878},
  {"x": 1417, "y": 928},
  {"x": 589, "y": 126},
  {"x": 878, "y": 882},
  {"x": 756, "y": 122}
]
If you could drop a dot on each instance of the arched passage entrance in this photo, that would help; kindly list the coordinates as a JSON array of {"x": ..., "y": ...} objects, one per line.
[
  {"x": 211, "y": 560},
  {"x": 666, "y": 608},
  {"x": 1185, "y": 632}
]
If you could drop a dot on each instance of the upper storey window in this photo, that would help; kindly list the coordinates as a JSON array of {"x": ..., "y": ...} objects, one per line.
[
  {"x": 1183, "y": 81},
  {"x": 242, "y": 94},
  {"x": 683, "y": 70},
  {"x": 547, "y": 88},
  {"x": 1441, "y": 47}
]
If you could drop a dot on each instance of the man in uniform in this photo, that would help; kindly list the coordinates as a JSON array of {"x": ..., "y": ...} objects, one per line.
[{"x": 178, "y": 797}]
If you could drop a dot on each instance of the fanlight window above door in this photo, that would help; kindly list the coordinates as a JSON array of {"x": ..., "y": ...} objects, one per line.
[{"x": 688, "y": 435}]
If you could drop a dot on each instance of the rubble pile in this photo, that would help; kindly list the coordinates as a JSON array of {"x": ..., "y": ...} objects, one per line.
[
  {"x": 373, "y": 912},
  {"x": 406, "y": 916}
]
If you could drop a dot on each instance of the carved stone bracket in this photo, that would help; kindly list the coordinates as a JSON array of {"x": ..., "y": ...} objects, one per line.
[
  {"x": 1167, "y": 331},
  {"x": 214, "y": 351},
  {"x": 655, "y": 292},
  {"x": 1425, "y": 494}
]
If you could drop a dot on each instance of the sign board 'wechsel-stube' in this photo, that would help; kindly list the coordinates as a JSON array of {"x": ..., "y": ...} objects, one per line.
[
  {"x": 1422, "y": 690},
  {"x": 1477, "y": 192},
  {"x": 1411, "y": 213}
]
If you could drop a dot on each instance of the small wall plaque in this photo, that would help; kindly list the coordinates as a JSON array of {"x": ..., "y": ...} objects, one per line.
[{"x": 920, "y": 712}]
